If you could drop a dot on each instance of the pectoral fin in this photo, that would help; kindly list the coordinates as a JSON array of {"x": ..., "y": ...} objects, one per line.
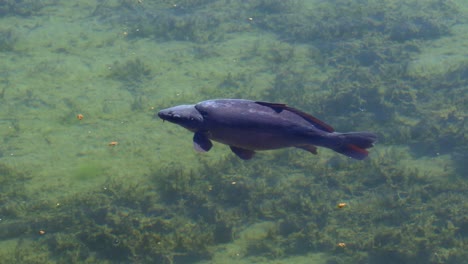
[
  {"x": 244, "y": 154},
  {"x": 201, "y": 142}
]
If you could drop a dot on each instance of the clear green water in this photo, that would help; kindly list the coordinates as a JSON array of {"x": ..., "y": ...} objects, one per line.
[{"x": 398, "y": 68}]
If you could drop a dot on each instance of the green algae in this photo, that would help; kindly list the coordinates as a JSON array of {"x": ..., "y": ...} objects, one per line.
[
  {"x": 132, "y": 72},
  {"x": 357, "y": 67},
  {"x": 12, "y": 193},
  {"x": 88, "y": 171},
  {"x": 22, "y": 8},
  {"x": 391, "y": 214},
  {"x": 8, "y": 39}
]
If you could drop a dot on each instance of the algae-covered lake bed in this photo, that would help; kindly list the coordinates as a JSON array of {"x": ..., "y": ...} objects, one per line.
[{"x": 89, "y": 174}]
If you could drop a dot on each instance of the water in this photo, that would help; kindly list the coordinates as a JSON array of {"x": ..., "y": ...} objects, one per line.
[{"x": 120, "y": 186}]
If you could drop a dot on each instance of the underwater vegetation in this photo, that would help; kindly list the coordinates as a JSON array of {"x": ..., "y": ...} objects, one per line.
[
  {"x": 350, "y": 61},
  {"x": 8, "y": 39},
  {"x": 166, "y": 21},
  {"x": 11, "y": 192},
  {"x": 393, "y": 215},
  {"x": 341, "y": 20},
  {"x": 131, "y": 72},
  {"x": 22, "y": 7}
]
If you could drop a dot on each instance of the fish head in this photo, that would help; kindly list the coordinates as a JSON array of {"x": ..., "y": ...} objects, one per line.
[{"x": 186, "y": 116}]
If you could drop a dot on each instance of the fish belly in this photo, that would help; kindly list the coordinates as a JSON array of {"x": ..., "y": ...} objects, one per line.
[{"x": 255, "y": 140}]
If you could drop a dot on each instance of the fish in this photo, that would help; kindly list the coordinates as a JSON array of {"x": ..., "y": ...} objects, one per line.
[{"x": 247, "y": 126}]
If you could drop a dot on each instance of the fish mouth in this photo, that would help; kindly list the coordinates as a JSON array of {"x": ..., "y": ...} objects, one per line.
[
  {"x": 168, "y": 116},
  {"x": 163, "y": 116}
]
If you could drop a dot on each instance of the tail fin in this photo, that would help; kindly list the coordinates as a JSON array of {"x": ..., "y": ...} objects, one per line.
[{"x": 355, "y": 144}]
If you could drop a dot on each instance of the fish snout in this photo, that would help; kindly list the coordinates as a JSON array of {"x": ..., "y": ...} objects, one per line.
[
  {"x": 162, "y": 115},
  {"x": 168, "y": 115},
  {"x": 183, "y": 115}
]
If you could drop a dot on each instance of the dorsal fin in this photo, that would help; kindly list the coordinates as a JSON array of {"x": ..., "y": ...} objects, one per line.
[
  {"x": 275, "y": 106},
  {"x": 313, "y": 120}
]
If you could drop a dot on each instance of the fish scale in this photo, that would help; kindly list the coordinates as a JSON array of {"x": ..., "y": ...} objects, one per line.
[{"x": 247, "y": 126}]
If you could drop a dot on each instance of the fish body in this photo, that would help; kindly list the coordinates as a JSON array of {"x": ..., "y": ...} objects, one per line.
[{"x": 247, "y": 126}]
